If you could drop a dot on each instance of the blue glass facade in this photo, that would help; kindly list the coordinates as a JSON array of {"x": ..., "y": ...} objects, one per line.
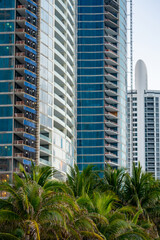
[
  {"x": 101, "y": 83},
  {"x": 18, "y": 74}
]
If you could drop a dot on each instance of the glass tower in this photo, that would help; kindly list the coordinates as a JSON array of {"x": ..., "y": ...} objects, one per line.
[
  {"x": 37, "y": 84},
  {"x": 101, "y": 83}
]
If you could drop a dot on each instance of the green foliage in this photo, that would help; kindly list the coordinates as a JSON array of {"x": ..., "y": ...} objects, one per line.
[{"x": 117, "y": 207}]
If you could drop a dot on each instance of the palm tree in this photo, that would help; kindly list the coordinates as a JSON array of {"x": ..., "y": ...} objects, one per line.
[
  {"x": 40, "y": 208},
  {"x": 83, "y": 182}
]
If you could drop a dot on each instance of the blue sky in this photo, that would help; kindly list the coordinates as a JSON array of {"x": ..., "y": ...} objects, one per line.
[{"x": 146, "y": 38}]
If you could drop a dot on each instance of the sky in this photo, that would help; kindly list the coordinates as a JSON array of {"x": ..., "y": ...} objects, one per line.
[{"x": 146, "y": 38}]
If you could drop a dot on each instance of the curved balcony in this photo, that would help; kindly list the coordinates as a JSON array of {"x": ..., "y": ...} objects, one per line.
[
  {"x": 111, "y": 139},
  {"x": 109, "y": 123},
  {"x": 110, "y": 61},
  {"x": 111, "y": 163},
  {"x": 111, "y": 100},
  {"x": 111, "y": 38},
  {"x": 110, "y": 53},
  {"x": 110, "y": 108},
  {"x": 111, "y": 23},
  {"x": 110, "y": 131},
  {"x": 110, "y": 92},
  {"x": 111, "y": 8},
  {"x": 111, "y": 147},
  {"x": 111, "y": 46},
  {"x": 111, "y": 16},
  {"x": 111, "y": 115},
  {"x": 110, "y": 31},
  {"x": 45, "y": 151},
  {"x": 111, "y": 85},
  {"x": 111, "y": 155},
  {"x": 111, "y": 69},
  {"x": 110, "y": 77}
]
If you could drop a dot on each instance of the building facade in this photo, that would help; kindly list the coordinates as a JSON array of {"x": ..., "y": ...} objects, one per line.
[
  {"x": 101, "y": 83},
  {"x": 143, "y": 126},
  {"x": 37, "y": 84}
]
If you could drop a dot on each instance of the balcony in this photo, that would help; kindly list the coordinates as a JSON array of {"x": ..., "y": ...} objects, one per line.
[
  {"x": 110, "y": 131},
  {"x": 111, "y": 100},
  {"x": 110, "y": 92},
  {"x": 110, "y": 53},
  {"x": 111, "y": 69},
  {"x": 110, "y": 108},
  {"x": 110, "y": 31},
  {"x": 111, "y": 16},
  {"x": 20, "y": 54},
  {"x": 111, "y": 155},
  {"x": 20, "y": 103},
  {"x": 110, "y": 61},
  {"x": 111, "y": 85},
  {"x": 111, "y": 115},
  {"x": 19, "y": 90},
  {"x": 44, "y": 139},
  {"x": 21, "y": 66},
  {"x": 20, "y": 18},
  {"x": 111, "y": 23},
  {"x": 22, "y": 42},
  {"x": 45, "y": 162},
  {"x": 109, "y": 123},
  {"x": 111, "y": 38},
  {"x": 45, "y": 151},
  {"x": 111, "y": 147},
  {"x": 19, "y": 130},
  {"x": 18, "y": 142},
  {"x": 111, "y": 163},
  {"x": 111, "y": 77},
  {"x": 20, "y": 78},
  {"x": 20, "y": 30},
  {"x": 111, "y": 139}
]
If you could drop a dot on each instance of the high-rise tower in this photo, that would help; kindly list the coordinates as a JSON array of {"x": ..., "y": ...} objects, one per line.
[
  {"x": 101, "y": 84},
  {"x": 145, "y": 107},
  {"x": 37, "y": 84}
]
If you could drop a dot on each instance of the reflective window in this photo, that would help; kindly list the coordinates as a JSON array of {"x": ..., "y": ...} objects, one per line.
[
  {"x": 88, "y": 79},
  {"x": 90, "y": 32},
  {"x": 97, "y": 142},
  {"x": 7, "y": 14},
  {"x": 90, "y": 17},
  {"x": 90, "y": 95},
  {"x": 86, "y": 64},
  {"x": 6, "y": 38},
  {"x": 90, "y": 151},
  {"x": 6, "y": 125},
  {"x": 5, "y": 150},
  {"x": 93, "y": 55},
  {"x": 90, "y": 103},
  {"x": 90, "y": 110},
  {"x": 6, "y": 62},
  {"x": 90, "y": 25},
  {"x": 90, "y": 159},
  {"x": 90, "y": 118},
  {"x": 6, "y": 50},
  {"x": 5, "y": 99},
  {"x": 7, "y": 4},
  {"x": 90, "y": 134},
  {"x": 6, "y": 111},
  {"x": 90, "y": 48},
  {"x": 90, "y": 9},
  {"x": 98, "y": 71},
  {"x": 6, "y": 74},
  {"x": 98, "y": 126},
  {"x": 90, "y": 2},
  {"x": 90, "y": 87},
  {"x": 5, "y": 138},
  {"x": 6, "y": 87},
  {"x": 6, "y": 26}
]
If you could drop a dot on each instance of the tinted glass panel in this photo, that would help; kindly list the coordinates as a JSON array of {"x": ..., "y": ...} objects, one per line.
[
  {"x": 6, "y": 26},
  {"x": 90, "y": 87},
  {"x": 6, "y": 74},
  {"x": 90, "y": 40},
  {"x": 90, "y": 151},
  {"x": 90, "y": 159},
  {"x": 90, "y": 25},
  {"x": 6, "y": 62},
  {"x": 7, "y": 3},
  {"x": 90, "y": 118},
  {"x": 90, "y": 95},
  {"x": 90, "y": 110},
  {"x": 86, "y": 64},
  {"x": 5, "y": 125},
  {"x": 88, "y": 79},
  {"x": 6, "y": 38},
  {"x": 90, "y": 56},
  {"x": 90, "y": 32},
  {"x": 90, "y": 48},
  {"x": 97, "y": 142},
  {"x": 98, "y": 126},
  {"x": 6, "y": 87},
  {"x": 90, "y": 2},
  {"x": 97, "y": 17},
  {"x": 98, "y": 71},
  {"x": 5, "y": 138},
  {"x": 6, "y": 111},
  {"x": 7, "y": 15},
  {"x": 5, "y": 99},
  {"x": 90, "y": 134},
  {"x": 5, "y": 151},
  {"x": 6, "y": 50},
  {"x": 90, "y": 10},
  {"x": 90, "y": 103}
]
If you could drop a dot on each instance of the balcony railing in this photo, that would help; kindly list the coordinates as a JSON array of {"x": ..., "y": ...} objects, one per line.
[
  {"x": 20, "y": 103},
  {"x": 20, "y": 66},
  {"x": 21, "y": 18},
  {"x": 20, "y": 42},
  {"x": 20, "y": 30},
  {"x": 19, "y": 90},
  {"x": 20, "y": 78},
  {"x": 19, "y": 129},
  {"x": 19, "y": 142},
  {"x": 21, "y": 115}
]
